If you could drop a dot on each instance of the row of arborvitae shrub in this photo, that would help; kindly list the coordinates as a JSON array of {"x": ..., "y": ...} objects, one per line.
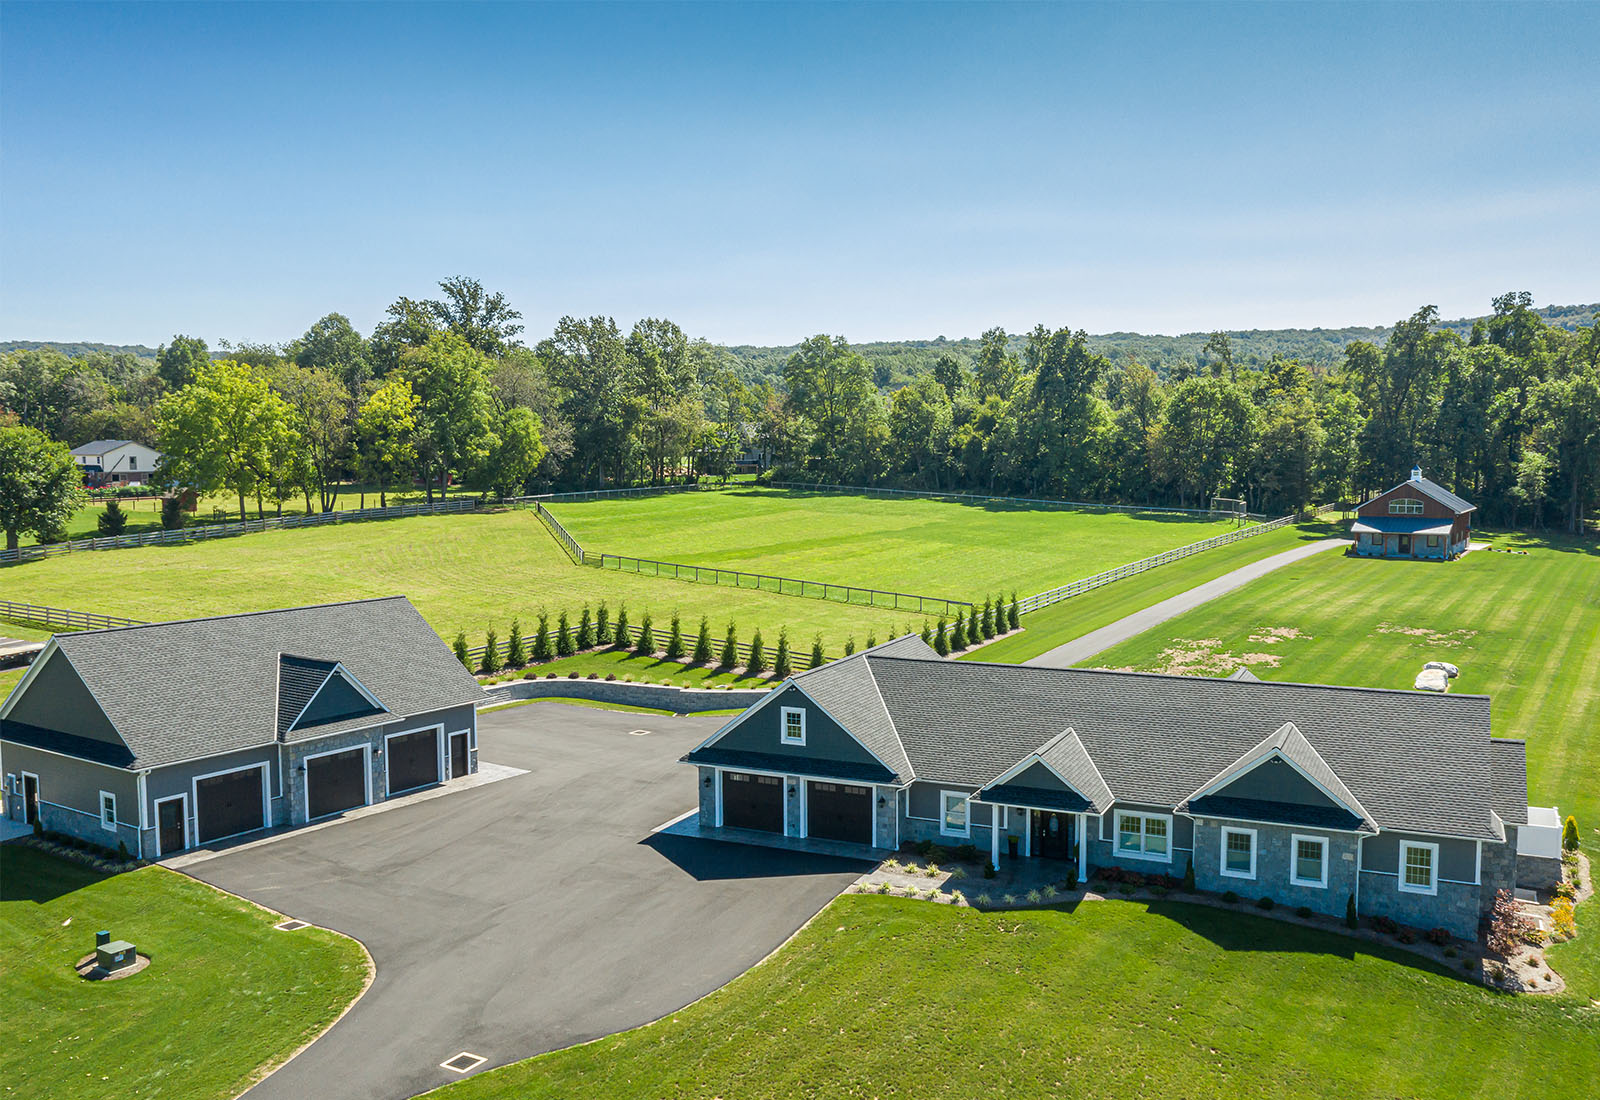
[
  {"x": 600, "y": 631},
  {"x": 994, "y": 618}
]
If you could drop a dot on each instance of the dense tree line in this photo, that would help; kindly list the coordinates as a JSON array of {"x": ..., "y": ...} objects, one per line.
[{"x": 1506, "y": 411}]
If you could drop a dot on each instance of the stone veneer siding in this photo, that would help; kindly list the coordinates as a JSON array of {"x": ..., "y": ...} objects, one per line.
[
  {"x": 1538, "y": 872},
  {"x": 1274, "y": 863}
]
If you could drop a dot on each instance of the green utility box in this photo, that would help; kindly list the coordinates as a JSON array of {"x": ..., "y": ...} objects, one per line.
[{"x": 114, "y": 956}]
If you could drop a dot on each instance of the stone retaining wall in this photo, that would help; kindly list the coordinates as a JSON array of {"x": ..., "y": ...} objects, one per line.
[{"x": 676, "y": 699}]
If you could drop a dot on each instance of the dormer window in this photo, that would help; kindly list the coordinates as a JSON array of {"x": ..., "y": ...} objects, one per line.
[
  {"x": 1405, "y": 506},
  {"x": 794, "y": 726}
]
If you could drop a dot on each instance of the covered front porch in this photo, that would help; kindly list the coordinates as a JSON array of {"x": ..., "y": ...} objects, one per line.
[{"x": 1034, "y": 830}]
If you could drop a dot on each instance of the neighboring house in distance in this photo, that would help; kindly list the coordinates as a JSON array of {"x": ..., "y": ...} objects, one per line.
[
  {"x": 171, "y": 735},
  {"x": 1415, "y": 519},
  {"x": 116, "y": 462},
  {"x": 1307, "y": 794}
]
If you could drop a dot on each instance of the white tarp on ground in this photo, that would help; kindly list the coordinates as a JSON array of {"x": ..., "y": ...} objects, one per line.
[{"x": 1432, "y": 679}]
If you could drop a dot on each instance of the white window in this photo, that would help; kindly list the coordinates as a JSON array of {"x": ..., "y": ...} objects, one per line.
[
  {"x": 1435, "y": 541},
  {"x": 108, "y": 811},
  {"x": 1144, "y": 836},
  {"x": 1238, "y": 853},
  {"x": 1310, "y": 865},
  {"x": 794, "y": 726},
  {"x": 1405, "y": 506},
  {"x": 133, "y": 462},
  {"x": 1419, "y": 868},
  {"x": 954, "y": 821}
]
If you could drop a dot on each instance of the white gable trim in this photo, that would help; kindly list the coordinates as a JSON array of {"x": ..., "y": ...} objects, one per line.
[
  {"x": 339, "y": 670},
  {"x": 1228, "y": 775},
  {"x": 1037, "y": 757},
  {"x": 739, "y": 719}
]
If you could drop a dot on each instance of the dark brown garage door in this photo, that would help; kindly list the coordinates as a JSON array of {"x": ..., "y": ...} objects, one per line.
[
  {"x": 228, "y": 804},
  {"x": 839, "y": 811},
  {"x": 336, "y": 783},
  {"x": 413, "y": 761},
  {"x": 752, "y": 801}
]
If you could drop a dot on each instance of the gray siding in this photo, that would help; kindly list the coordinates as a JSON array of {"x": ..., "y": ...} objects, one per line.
[
  {"x": 337, "y": 699},
  {"x": 1276, "y": 781},
  {"x": 1458, "y": 859},
  {"x": 1039, "y": 777},
  {"x": 57, "y": 699},
  {"x": 825, "y": 738},
  {"x": 69, "y": 795}
]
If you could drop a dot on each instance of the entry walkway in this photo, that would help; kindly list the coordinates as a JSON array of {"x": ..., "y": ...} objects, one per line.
[{"x": 1098, "y": 641}]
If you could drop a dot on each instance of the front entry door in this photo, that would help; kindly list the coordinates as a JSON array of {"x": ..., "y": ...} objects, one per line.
[
  {"x": 458, "y": 755},
  {"x": 1052, "y": 835},
  {"x": 30, "y": 798},
  {"x": 169, "y": 820},
  {"x": 1405, "y": 544}
]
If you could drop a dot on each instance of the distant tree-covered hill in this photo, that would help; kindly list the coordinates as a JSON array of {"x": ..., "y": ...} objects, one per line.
[{"x": 76, "y": 349}]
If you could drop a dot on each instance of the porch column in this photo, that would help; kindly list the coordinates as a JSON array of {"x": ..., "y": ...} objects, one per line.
[
  {"x": 994, "y": 835},
  {"x": 1083, "y": 847},
  {"x": 1027, "y": 832}
]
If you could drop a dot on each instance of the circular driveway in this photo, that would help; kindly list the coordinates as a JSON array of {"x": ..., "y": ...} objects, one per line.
[{"x": 530, "y": 913}]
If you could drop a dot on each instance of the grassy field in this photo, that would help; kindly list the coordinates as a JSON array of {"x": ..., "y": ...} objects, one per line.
[
  {"x": 466, "y": 572},
  {"x": 881, "y": 997},
  {"x": 927, "y": 547},
  {"x": 1524, "y": 629},
  {"x": 223, "y": 997}
]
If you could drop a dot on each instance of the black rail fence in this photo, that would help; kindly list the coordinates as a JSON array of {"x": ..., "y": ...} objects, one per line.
[
  {"x": 989, "y": 498},
  {"x": 32, "y": 614},
  {"x": 1100, "y": 580},
  {"x": 201, "y": 532},
  {"x": 562, "y": 536}
]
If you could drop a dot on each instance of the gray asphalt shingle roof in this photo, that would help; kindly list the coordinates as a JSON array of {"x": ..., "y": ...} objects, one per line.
[
  {"x": 1445, "y": 496},
  {"x": 1410, "y": 760},
  {"x": 1508, "y": 772},
  {"x": 1288, "y": 742},
  {"x": 198, "y": 687},
  {"x": 100, "y": 446},
  {"x": 298, "y": 680}
]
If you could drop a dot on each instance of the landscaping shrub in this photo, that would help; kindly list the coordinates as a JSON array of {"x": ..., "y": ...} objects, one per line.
[
  {"x": 619, "y": 637},
  {"x": 958, "y": 633},
  {"x": 941, "y": 640},
  {"x": 1563, "y": 921},
  {"x": 1385, "y": 925},
  {"x": 1034, "y": 897},
  {"x": 927, "y": 633},
  {"x": 1265, "y": 903},
  {"x": 541, "y": 639},
  {"x": 1569, "y": 834},
  {"x": 922, "y": 847},
  {"x": 611, "y": 676},
  {"x": 1405, "y": 935},
  {"x": 967, "y": 853},
  {"x": 1303, "y": 912},
  {"x": 816, "y": 652},
  {"x": 850, "y": 645},
  {"x": 1159, "y": 891},
  {"x": 516, "y": 649},
  {"x": 938, "y": 853},
  {"x": 113, "y": 521},
  {"x": 1124, "y": 887},
  {"x": 172, "y": 514},
  {"x": 491, "y": 653},
  {"x": 986, "y": 618},
  {"x": 1437, "y": 936},
  {"x": 564, "y": 646},
  {"x": 1350, "y": 919},
  {"x": 1230, "y": 897},
  {"x": 675, "y": 639},
  {"x": 602, "y": 624},
  {"x": 872, "y": 641},
  {"x": 780, "y": 663},
  {"x": 989, "y": 870},
  {"x": 1188, "y": 876},
  {"x": 1507, "y": 926},
  {"x": 585, "y": 638},
  {"x": 1072, "y": 877},
  {"x": 730, "y": 648},
  {"x": 462, "y": 654},
  {"x": 1014, "y": 615},
  {"x": 702, "y": 644},
  {"x": 758, "y": 656},
  {"x": 646, "y": 645}
]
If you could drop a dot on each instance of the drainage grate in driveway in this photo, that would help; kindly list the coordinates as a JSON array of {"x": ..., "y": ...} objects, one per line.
[
  {"x": 465, "y": 1062},
  {"x": 291, "y": 925}
]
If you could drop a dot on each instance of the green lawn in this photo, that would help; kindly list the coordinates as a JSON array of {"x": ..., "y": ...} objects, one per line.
[
  {"x": 464, "y": 572},
  {"x": 881, "y": 997},
  {"x": 1060, "y": 623},
  {"x": 925, "y": 547},
  {"x": 223, "y": 997},
  {"x": 1523, "y": 629}
]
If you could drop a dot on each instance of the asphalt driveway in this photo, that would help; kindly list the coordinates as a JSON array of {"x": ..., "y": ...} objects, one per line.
[{"x": 531, "y": 913}]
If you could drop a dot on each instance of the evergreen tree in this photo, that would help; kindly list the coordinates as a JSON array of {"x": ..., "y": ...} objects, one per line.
[
  {"x": 758, "y": 656},
  {"x": 491, "y": 653},
  {"x": 516, "y": 649},
  {"x": 850, "y": 645},
  {"x": 564, "y": 646},
  {"x": 113, "y": 521},
  {"x": 958, "y": 633},
  {"x": 941, "y": 641},
  {"x": 647, "y": 637},
  {"x": 675, "y": 640},
  {"x": 585, "y": 637},
  {"x": 702, "y": 644},
  {"x": 1569, "y": 834},
  {"x": 1350, "y": 920},
  {"x": 872, "y": 641},
  {"x": 988, "y": 618},
  {"x": 780, "y": 663},
  {"x": 602, "y": 625},
  {"x": 927, "y": 633},
  {"x": 462, "y": 653},
  {"x": 730, "y": 648},
  {"x": 816, "y": 652},
  {"x": 1014, "y": 616},
  {"x": 541, "y": 639},
  {"x": 621, "y": 639},
  {"x": 1188, "y": 876}
]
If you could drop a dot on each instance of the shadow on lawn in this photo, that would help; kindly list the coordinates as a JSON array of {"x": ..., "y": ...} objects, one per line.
[
  {"x": 988, "y": 504},
  {"x": 29, "y": 875}
]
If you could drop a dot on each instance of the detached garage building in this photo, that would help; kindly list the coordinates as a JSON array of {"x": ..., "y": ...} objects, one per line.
[{"x": 176, "y": 735}]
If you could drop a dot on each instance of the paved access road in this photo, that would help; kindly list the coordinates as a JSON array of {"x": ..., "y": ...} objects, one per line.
[
  {"x": 1098, "y": 641},
  {"x": 531, "y": 913}
]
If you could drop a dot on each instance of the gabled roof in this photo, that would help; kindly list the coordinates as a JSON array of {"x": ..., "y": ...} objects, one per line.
[
  {"x": 1065, "y": 756},
  {"x": 180, "y": 690},
  {"x": 1508, "y": 774},
  {"x": 1243, "y": 673},
  {"x": 314, "y": 694},
  {"x": 100, "y": 446},
  {"x": 1288, "y": 744},
  {"x": 1438, "y": 492}
]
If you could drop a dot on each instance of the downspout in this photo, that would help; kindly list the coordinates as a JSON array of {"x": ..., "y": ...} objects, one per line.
[{"x": 1361, "y": 841}]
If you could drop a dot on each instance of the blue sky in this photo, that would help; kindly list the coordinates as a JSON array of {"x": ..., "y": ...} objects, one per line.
[{"x": 761, "y": 172}]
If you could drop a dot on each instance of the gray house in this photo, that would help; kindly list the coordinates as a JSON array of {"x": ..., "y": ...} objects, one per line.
[
  {"x": 1309, "y": 794},
  {"x": 182, "y": 734}
]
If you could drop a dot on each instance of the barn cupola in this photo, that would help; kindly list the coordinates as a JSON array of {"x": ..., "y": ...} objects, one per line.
[{"x": 1416, "y": 473}]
